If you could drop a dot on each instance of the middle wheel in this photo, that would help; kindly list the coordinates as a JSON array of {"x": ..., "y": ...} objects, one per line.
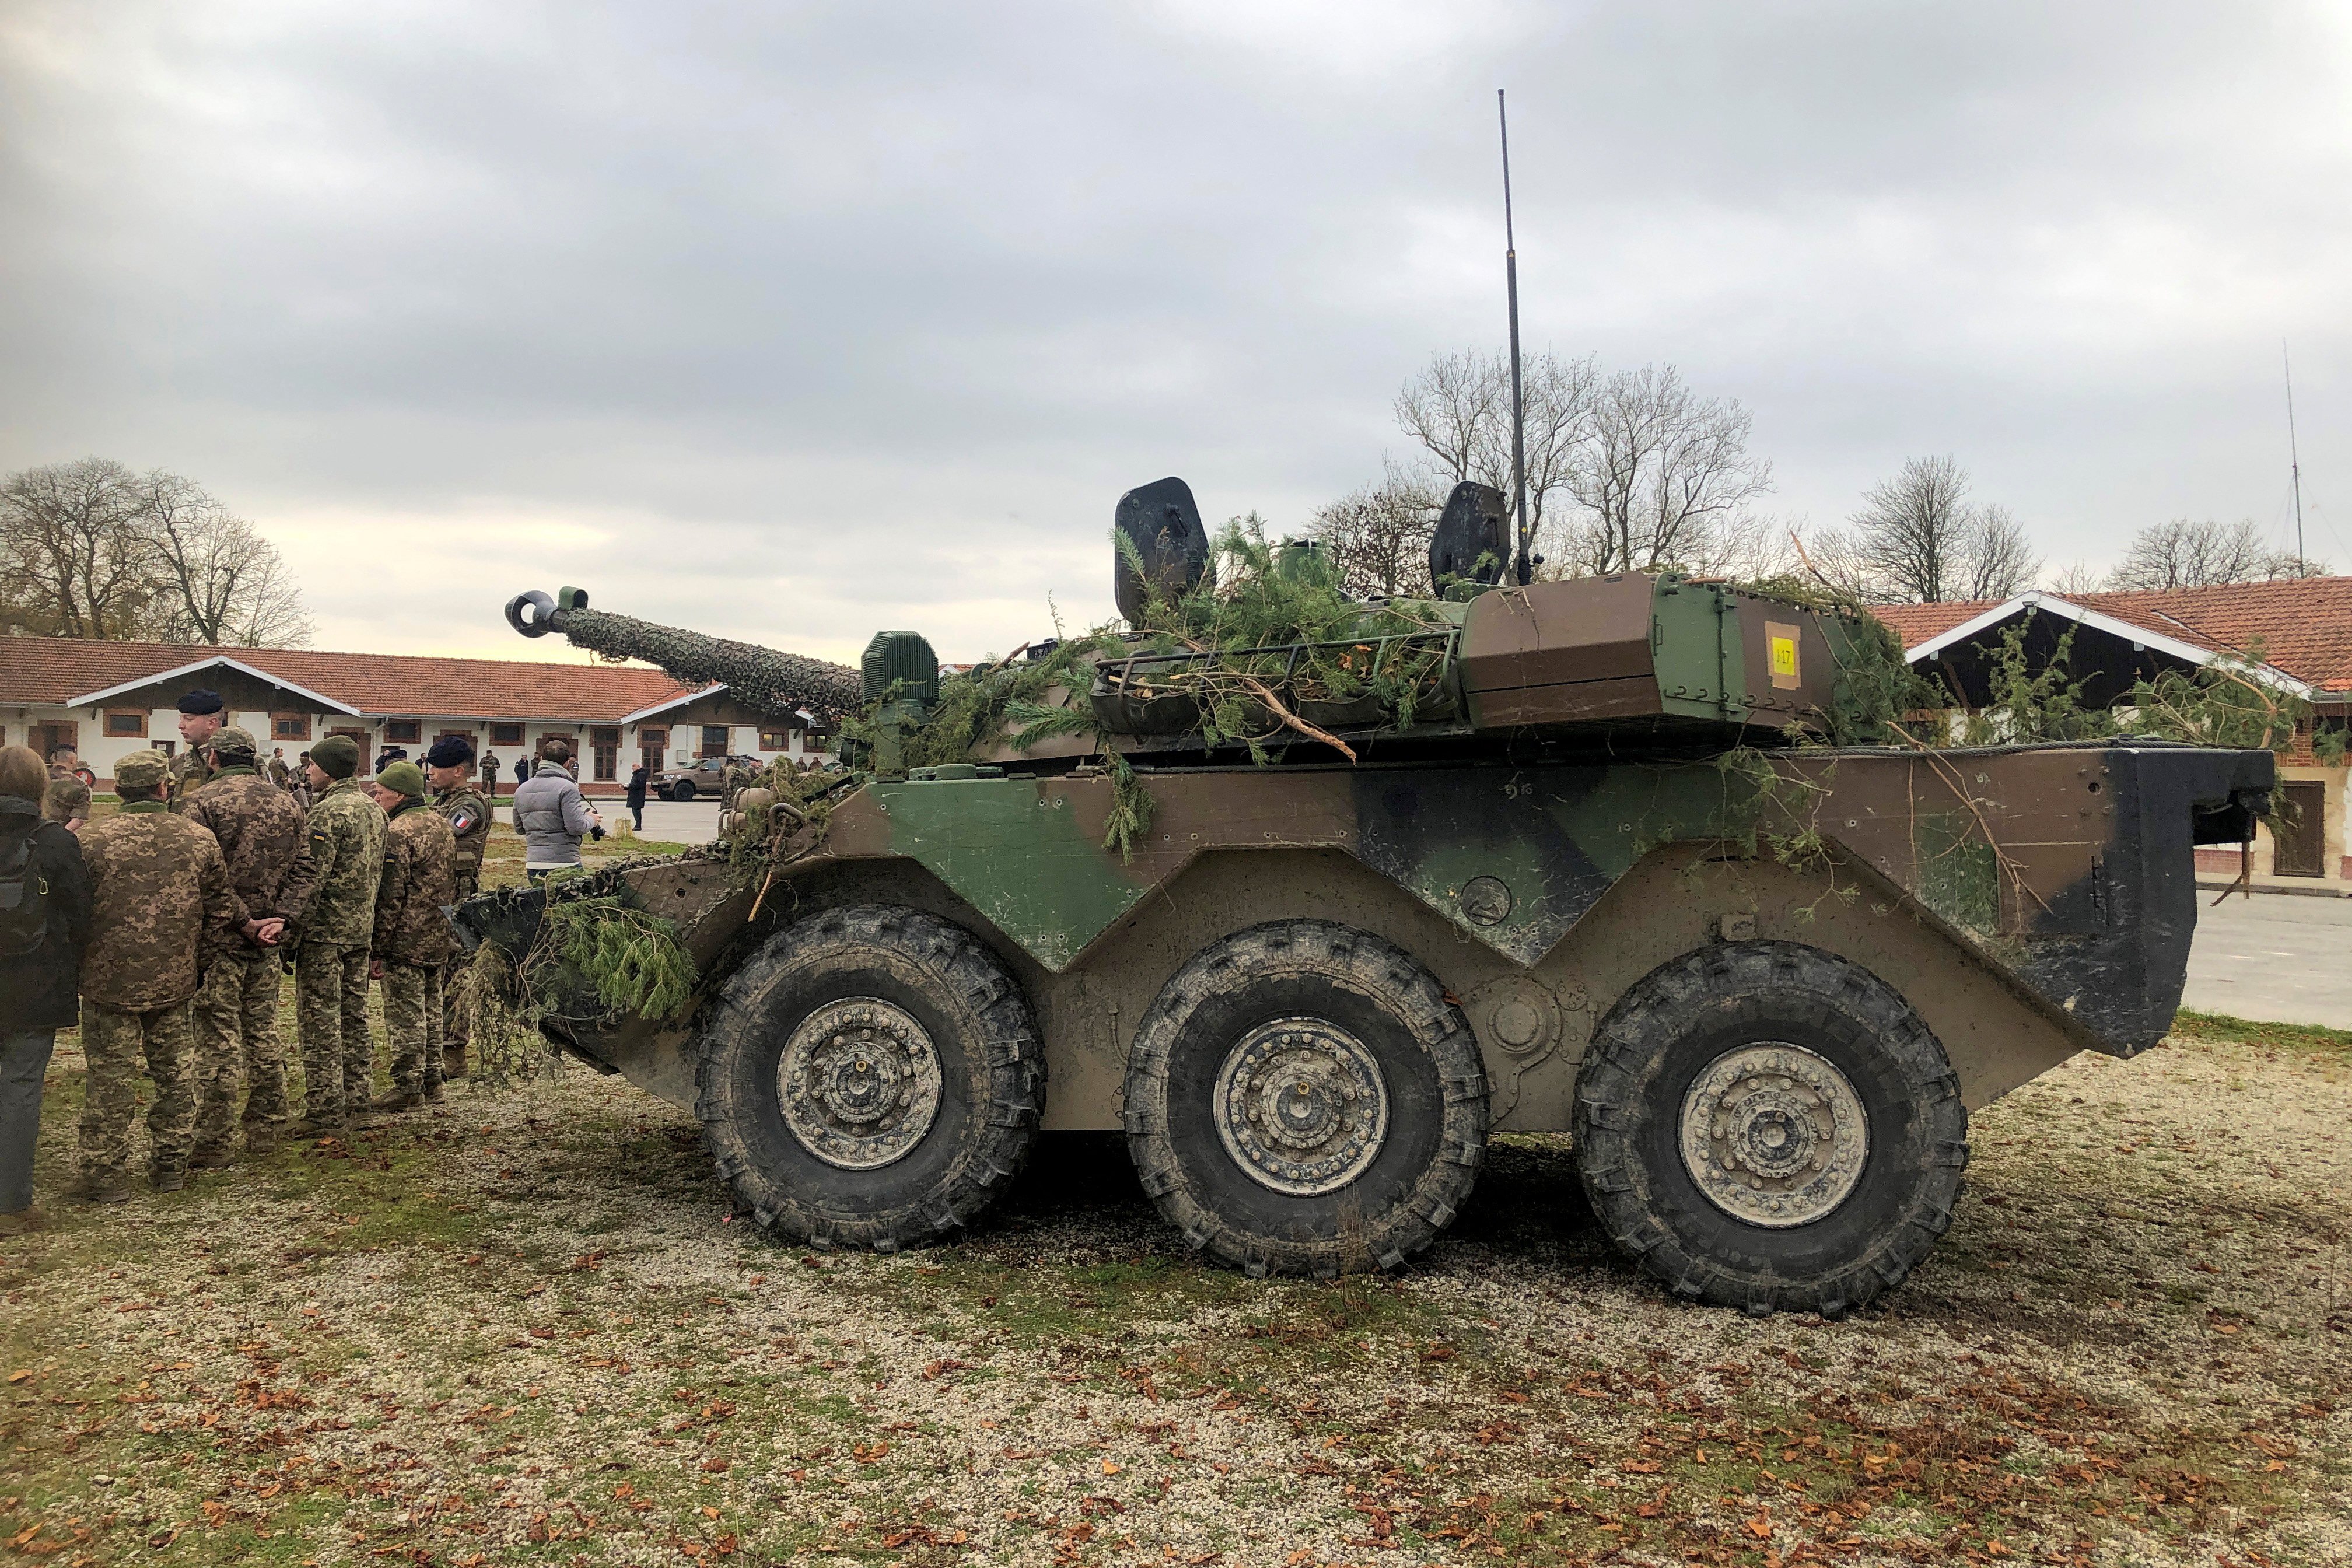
[{"x": 1302, "y": 1099}]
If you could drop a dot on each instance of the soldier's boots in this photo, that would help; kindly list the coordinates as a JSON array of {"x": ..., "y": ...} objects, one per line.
[
  {"x": 433, "y": 1085},
  {"x": 217, "y": 1159},
  {"x": 171, "y": 1181},
  {"x": 394, "y": 1104},
  {"x": 317, "y": 1127},
  {"x": 25, "y": 1221},
  {"x": 100, "y": 1190},
  {"x": 453, "y": 1062}
]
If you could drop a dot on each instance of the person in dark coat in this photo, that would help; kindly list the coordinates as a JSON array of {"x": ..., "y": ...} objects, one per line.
[
  {"x": 41, "y": 871},
  {"x": 638, "y": 778}
]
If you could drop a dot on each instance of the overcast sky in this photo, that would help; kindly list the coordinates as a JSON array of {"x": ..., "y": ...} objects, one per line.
[{"x": 793, "y": 322}]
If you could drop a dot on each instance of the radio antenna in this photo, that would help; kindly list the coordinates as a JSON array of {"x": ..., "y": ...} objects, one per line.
[
  {"x": 1522, "y": 567},
  {"x": 2293, "y": 461}
]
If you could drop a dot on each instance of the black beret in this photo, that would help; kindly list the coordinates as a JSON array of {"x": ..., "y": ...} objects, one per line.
[
  {"x": 450, "y": 752},
  {"x": 202, "y": 701}
]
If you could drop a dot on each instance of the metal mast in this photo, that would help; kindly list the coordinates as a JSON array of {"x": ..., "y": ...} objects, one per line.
[
  {"x": 2293, "y": 461},
  {"x": 1522, "y": 567}
]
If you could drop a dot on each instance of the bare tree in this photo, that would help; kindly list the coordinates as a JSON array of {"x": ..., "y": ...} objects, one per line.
[
  {"x": 74, "y": 560},
  {"x": 1917, "y": 540},
  {"x": 1378, "y": 536},
  {"x": 2001, "y": 559},
  {"x": 1459, "y": 411},
  {"x": 89, "y": 549},
  {"x": 2075, "y": 579},
  {"x": 1913, "y": 530},
  {"x": 1666, "y": 477},
  {"x": 221, "y": 581},
  {"x": 2185, "y": 555}
]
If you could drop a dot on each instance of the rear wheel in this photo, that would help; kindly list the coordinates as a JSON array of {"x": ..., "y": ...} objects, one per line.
[
  {"x": 1302, "y": 1099},
  {"x": 872, "y": 1078},
  {"x": 1765, "y": 1125}
]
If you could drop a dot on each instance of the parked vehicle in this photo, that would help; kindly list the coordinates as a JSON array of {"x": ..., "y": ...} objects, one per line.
[
  {"x": 708, "y": 776},
  {"x": 1592, "y": 885}
]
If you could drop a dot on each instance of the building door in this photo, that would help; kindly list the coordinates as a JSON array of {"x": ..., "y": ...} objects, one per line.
[
  {"x": 2300, "y": 846},
  {"x": 605, "y": 743},
  {"x": 714, "y": 741},
  {"x": 650, "y": 746},
  {"x": 48, "y": 737}
]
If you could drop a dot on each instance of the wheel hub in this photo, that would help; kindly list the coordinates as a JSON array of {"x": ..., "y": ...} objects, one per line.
[
  {"x": 1774, "y": 1135},
  {"x": 1301, "y": 1106},
  {"x": 859, "y": 1082}
]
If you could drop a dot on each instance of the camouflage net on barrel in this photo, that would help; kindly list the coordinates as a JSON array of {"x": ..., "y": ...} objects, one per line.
[{"x": 773, "y": 683}]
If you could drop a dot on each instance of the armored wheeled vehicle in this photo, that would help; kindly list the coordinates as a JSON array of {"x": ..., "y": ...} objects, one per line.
[{"x": 1585, "y": 861}]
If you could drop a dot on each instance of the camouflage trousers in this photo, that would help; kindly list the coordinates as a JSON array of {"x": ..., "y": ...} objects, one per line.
[
  {"x": 330, "y": 994},
  {"x": 117, "y": 1043},
  {"x": 237, "y": 1040},
  {"x": 412, "y": 1025}
]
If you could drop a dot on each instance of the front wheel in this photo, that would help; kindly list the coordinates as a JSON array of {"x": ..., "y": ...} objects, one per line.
[
  {"x": 872, "y": 1078},
  {"x": 682, "y": 791},
  {"x": 1765, "y": 1125},
  {"x": 1303, "y": 1099}
]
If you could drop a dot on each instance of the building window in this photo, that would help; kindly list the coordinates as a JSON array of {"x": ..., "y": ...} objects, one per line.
[
  {"x": 605, "y": 744},
  {"x": 506, "y": 734},
  {"x": 404, "y": 731},
  {"x": 775, "y": 739},
  {"x": 290, "y": 726},
  {"x": 126, "y": 726},
  {"x": 650, "y": 742},
  {"x": 714, "y": 740}
]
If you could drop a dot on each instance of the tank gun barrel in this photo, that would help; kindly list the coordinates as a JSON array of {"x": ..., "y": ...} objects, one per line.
[{"x": 761, "y": 678}]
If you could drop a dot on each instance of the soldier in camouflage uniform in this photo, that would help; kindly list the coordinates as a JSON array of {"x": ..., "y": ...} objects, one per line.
[
  {"x": 330, "y": 962},
  {"x": 160, "y": 898},
  {"x": 412, "y": 934},
  {"x": 468, "y": 817},
  {"x": 266, "y": 843},
  {"x": 200, "y": 713}
]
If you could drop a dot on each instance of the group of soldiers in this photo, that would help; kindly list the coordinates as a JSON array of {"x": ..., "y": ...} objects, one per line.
[{"x": 206, "y": 883}]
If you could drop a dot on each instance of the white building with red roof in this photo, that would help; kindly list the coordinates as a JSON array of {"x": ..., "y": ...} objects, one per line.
[{"x": 105, "y": 699}]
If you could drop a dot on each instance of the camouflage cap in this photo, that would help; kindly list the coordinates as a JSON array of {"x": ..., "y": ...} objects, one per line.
[
  {"x": 229, "y": 740},
  {"x": 142, "y": 769},
  {"x": 337, "y": 756},
  {"x": 402, "y": 778}
]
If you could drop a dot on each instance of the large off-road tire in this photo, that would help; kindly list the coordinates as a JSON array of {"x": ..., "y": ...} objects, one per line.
[
  {"x": 1765, "y": 1125},
  {"x": 1302, "y": 1099},
  {"x": 872, "y": 1078}
]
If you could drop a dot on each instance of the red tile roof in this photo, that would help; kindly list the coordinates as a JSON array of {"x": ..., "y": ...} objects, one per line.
[
  {"x": 47, "y": 671},
  {"x": 2305, "y": 627}
]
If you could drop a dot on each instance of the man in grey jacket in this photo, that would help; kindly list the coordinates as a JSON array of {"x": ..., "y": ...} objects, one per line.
[{"x": 551, "y": 816}]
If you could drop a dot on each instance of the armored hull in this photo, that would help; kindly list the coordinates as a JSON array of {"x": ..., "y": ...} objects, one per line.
[
  {"x": 1309, "y": 920},
  {"x": 1475, "y": 949}
]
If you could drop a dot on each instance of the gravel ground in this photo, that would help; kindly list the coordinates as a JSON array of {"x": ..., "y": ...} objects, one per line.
[{"x": 524, "y": 1329}]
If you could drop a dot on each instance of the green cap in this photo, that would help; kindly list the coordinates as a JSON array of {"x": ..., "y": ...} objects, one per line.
[
  {"x": 337, "y": 756},
  {"x": 228, "y": 740},
  {"x": 402, "y": 778},
  {"x": 143, "y": 769}
]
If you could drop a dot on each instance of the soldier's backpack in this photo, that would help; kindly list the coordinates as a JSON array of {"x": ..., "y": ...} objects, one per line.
[{"x": 24, "y": 901}]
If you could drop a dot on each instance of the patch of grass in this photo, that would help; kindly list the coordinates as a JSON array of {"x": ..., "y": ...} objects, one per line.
[{"x": 2217, "y": 1027}]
